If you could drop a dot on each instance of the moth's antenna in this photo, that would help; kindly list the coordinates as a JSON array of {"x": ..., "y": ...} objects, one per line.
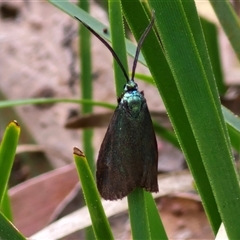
[
  {"x": 140, "y": 42},
  {"x": 108, "y": 46}
]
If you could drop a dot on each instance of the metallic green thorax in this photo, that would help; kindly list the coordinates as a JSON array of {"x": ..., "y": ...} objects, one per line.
[{"x": 132, "y": 99}]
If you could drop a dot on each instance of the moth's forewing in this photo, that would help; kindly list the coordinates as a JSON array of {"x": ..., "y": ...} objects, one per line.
[
  {"x": 128, "y": 155},
  {"x": 149, "y": 152}
]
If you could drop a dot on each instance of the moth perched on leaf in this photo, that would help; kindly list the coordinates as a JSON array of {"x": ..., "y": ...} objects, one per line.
[{"x": 128, "y": 156}]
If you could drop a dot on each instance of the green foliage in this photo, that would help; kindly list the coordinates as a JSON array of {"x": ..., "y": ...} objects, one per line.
[
  {"x": 229, "y": 21},
  {"x": 92, "y": 198},
  {"x": 197, "y": 90},
  {"x": 8, "y": 231},
  {"x": 183, "y": 59},
  {"x": 7, "y": 153}
]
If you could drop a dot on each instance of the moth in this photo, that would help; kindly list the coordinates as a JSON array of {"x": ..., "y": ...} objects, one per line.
[{"x": 128, "y": 155}]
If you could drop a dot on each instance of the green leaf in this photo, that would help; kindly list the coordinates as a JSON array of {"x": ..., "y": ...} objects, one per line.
[
  {"x": 138, "y": 215},
  {"x": 6, "y": 207},
  {"x": 7, "y": 153},
  {"x": 166, "y": 85},
  {"x": 233, "y": 125},
  {"x": 198, "y": 93},
  {"x": 14, "y": 103},
  {"x": 8, "y": 231},
  {"x": 156, "y": 227},
  {"x": 100, "y": 223},
  {"x": 211, "y": 37},
  {"x": 229, "y": 21},
  {"x": 85, "y": 83},
  {"x": 118, "y": 43}
]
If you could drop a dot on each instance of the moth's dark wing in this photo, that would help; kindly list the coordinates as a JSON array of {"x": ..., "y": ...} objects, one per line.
[
  {"x": 149, "y": 153},
  {"x": 128, "y": 155}
]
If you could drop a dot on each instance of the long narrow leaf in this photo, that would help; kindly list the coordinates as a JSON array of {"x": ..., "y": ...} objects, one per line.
[
  {"x": 14, "y": 103},
  {"x": 166, "y": 85},
  {"x": 198, "y": 96},
  {"x": 156, "y": 227},
  {"x": 99, "y": 221},
  {"x": 229, "y": 21},
  {"x": 118, "y": 43},
  {"x": 190, "y": 13},
  {"x": 6, "y": 207},
  {"x": 138, "y": 215},
  {"x": 136, "y": 201},
  {"x": 211, "y": 36},
  {"x": 7, "y": 153},
  {"x": 85, "y": 83},
  {"x": 233, "y": 125},
  {"x": 8, "y": 231}
]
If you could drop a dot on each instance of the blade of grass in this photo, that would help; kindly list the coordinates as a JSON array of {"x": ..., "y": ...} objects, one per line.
[
  {"x": 85, "y": 60},
  {"x": 211, "y": 37},
  {"x": 197, "y": 94},
  {"x": 229, "y": 21},
  {"x": 14, "y": 103},
  {"x": 166, "y": 85},
  {"x": 156, "y": 227},
  {"x": 136, "y": 202},
  {"x": 7, "y": 153},
  {"x": 85, "y": 82},
  {"x": 6, "y": 207},
  {"x": 100, "y": 223},
  {"x": 233, "y": 125},
  {"x": 118, "y": 43},
  {"x": 190, "y": 12},
  {"x": 138, "y": 215},
  {"x": 8, "y": 231}
]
